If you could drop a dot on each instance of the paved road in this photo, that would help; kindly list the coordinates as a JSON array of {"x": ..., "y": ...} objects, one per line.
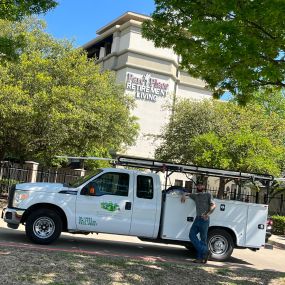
[{"x": 114, "y": 245}]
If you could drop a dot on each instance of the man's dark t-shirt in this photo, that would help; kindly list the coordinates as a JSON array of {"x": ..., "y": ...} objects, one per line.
[{"x": 203, "y": 201}]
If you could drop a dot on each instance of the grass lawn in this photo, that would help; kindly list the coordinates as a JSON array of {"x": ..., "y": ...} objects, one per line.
[
  {"x": 29, "y": 266},
  {"x": 25, "y": 266}
]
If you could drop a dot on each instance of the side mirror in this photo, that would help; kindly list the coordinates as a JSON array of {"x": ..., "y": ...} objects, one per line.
[{"x": 91, "y": 191}]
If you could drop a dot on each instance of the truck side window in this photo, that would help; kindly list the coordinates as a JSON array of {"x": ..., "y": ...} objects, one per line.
[
  {"x": 111, "y": 184},
  {"x": 144, "y": 187}
]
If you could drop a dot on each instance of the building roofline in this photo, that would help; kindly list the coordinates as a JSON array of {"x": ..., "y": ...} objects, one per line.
[
  {"x": 123, "y": 19},
  {"x": 115, "y": 25}
]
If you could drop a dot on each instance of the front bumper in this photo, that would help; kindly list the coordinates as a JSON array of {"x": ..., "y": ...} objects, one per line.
[{"x": 12, "y": 217}]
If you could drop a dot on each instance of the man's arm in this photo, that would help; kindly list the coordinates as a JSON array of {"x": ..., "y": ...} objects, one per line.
[
  {"x": 184, "y": 195},
  {"x": 211, "y": 209}
]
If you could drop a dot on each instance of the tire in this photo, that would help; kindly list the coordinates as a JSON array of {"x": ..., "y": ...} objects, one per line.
[
  {"x": 220, "y": 244},
  {"x": 43, "y": 226}
]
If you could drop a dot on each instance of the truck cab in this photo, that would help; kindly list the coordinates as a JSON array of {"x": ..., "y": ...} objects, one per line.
[{"x": 111, "y": 200}]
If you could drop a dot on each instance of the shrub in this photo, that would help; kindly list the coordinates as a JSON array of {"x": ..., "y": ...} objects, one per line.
[
  {"x": 5, "y": 185},
  {"x": 278, "y": 225}
]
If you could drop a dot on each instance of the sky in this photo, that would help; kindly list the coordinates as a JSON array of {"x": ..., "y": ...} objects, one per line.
[{"x": 78, "y": 20}]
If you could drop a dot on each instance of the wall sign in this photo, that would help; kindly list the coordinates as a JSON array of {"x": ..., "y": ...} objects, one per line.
[{"x": 146, "y": 87}]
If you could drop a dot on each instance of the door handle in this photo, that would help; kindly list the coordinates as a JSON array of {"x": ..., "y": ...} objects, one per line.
[{"x": 128, "y": 206}]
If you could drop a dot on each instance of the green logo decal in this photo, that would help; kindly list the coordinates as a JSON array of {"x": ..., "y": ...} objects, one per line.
[
  {"x": 109, "y": 206},
  {"x": 87, "y": 221}
]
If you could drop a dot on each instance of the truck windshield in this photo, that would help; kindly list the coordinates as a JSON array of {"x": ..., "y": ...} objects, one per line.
[{"x": 83, "y": 179}]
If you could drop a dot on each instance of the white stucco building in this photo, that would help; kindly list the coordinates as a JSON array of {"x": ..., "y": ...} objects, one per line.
[{"x": 149, "y": 74}]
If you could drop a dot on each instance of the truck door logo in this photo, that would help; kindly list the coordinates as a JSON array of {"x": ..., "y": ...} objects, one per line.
[{"x": 109, "y": 206}]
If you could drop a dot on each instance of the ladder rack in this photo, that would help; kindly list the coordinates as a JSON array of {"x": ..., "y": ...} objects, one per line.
[{"x": 157, "y": 165}]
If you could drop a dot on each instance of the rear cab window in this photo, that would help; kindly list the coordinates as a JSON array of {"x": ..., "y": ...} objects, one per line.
[{"x": 144, "y": 187}]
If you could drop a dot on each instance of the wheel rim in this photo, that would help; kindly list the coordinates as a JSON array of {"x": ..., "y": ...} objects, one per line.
[
  {"x": 218, "y": 245},
  {"x": 44, "y": 227}
]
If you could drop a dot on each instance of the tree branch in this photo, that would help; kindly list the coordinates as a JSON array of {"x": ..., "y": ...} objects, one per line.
[
  {"x": 277, "y": 83},
  {"x": 260, "y": 28},
  {"x": 272, "y": 60}
]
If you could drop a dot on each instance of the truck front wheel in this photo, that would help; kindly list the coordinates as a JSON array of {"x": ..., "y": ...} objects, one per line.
[
  {"x": 43, "y": 226},
  {"x": 220, "y": 244}
]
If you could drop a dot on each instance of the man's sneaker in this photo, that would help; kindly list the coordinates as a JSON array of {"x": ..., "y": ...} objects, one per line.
[
  {"x": 198, "y": 260},
  {"x": 207, "y": 256}
]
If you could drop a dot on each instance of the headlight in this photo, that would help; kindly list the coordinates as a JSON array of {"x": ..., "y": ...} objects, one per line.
[{"x": 19, "y": 197}]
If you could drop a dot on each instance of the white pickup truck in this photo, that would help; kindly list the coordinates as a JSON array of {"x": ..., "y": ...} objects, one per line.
[{"x": 130, "y": 202}]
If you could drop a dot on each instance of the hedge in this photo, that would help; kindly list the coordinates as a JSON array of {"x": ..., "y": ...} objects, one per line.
[{"x": 278, "y": 225}]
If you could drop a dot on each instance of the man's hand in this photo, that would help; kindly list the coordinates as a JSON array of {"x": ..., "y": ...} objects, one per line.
[
  {"x": 183, "y": 198},
  {"x": 205, "y": 217}
]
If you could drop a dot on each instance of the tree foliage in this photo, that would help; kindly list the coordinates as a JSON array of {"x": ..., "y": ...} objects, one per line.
[
  {"x": 272, "y": 100},
  {"x": 225, "y": 135},
  {"x": 15, "y": 11},
  {"x": 232, "y": 45},
  {"x": 54, "y": 101}
]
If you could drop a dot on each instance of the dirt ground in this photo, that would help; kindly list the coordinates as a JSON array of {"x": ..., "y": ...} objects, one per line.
[
  {"x": 25, "y": 266},
  {"x": 3, "y": 203}
]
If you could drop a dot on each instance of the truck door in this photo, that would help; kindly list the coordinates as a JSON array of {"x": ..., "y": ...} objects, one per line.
[
  {"x": 147, "y": 205},
  {"x": 256, "y": 225},
  {"x": 105, "y": 203}
]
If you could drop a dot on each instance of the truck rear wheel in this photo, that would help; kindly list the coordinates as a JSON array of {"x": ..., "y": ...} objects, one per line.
[
  {"x": 43, "y": 226},
  {"x": 220, "y": 244}
]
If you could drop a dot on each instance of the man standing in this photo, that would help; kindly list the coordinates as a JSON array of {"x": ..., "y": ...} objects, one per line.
[{"x": 204, "y": 207}]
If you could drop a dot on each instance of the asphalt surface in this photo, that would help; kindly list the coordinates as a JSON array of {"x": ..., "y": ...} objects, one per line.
[{"x": 124, "y": 246}]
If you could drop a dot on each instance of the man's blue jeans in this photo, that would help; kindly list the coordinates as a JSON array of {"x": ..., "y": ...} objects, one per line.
[{"x": 200, "y": 226}]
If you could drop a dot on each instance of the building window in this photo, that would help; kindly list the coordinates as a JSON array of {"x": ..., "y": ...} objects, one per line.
[
  {"x": 105, "y": 45},
  {"x": 189, "y": 186},
  {"x": 178, "y": 183},
  {"x": 144, "y": 187}
]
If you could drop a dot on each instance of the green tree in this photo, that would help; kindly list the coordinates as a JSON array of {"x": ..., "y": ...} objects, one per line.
[
  {"x": 15, "y": 11},
  {"x": 54, "y": 101},
  {"x": 272, "y": 99},
  {"x": 237, "y": 46},
  {"x": 225, "y": 135}
]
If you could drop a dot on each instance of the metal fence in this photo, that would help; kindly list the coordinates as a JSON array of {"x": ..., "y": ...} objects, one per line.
[
  {"x": 276, "y": 204},
  {"x": 13, "y": 173}
]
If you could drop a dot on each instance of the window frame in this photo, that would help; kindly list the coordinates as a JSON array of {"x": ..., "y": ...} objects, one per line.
[
  {"x": 99, "y": 193},
  {"x": 137, "y": 188}
]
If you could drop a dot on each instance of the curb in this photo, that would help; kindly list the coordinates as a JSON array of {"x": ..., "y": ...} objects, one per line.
[{"x": 277, "y": 244}]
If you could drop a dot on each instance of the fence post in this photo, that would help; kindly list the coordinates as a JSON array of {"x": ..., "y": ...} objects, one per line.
[
  {"x": 32, "y": 167},
  {"x": 281, "y": 204},
  {"x": 79, "y": 172},
  {"x": 257, "y": 197},
  {"x": 2, "y": 165}
]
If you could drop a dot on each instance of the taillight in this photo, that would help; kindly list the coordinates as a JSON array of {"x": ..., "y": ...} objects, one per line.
[{"x": 269, "y": 222}]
